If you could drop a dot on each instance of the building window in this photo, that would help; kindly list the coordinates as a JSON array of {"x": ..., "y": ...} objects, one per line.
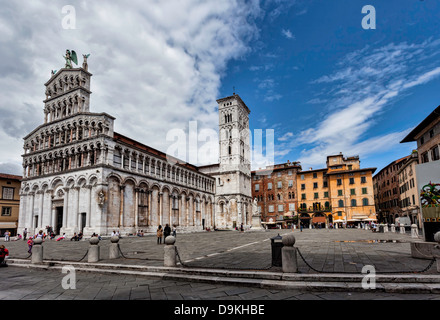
[
  {"x": 280, "y": 208},
  {"x": 269, "y": 186},
  {"x": 339, "y": 213},
  {"x": 353, "y": 203},
  {"x": 425, "y": 157},
  {"x": 365, "y": 202},
  {"x": 340, "y": 203},
  {"x": 339, "y": 182},
  {"x": 289, "y": 172},
  {"x": 8, "y": 193},
  {"x": 364, "y": 190},
  {"x": 350, "y": 167},
  {"x": 315, "y": 185},
  {"x": 325, "y": 184},
  {"x": 290, "y": 183},
  {"x": 315, "y": 175},
  {"x": 363, "y": 179},
  {"x": 340, "y": 193},
  {"x": 351, "y": 180},
  {"x": 257, "y": 187},
  {"x": 431, "y": 133},
  {"x": 271, "y": 209},
  {"x": 279, "y": 185},
  {"x": 303, "y": 186},
  {"x": 435, "y": 154},
  {"x": 353, "y": 192},
  {"x": 6, "y": 211},
  {"x": 326, "y": 194},
  {"x": 316, "y": 195},
  {"x": 302, "y": 177},
  {"x": 303, "y": 196},
  {"x": 291, "y": 207}
]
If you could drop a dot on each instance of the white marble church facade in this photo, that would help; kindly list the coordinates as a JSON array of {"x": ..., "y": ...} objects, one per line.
[{"x": 80, "y": 175}]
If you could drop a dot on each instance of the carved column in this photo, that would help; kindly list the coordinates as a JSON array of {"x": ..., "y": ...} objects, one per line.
[
  {"x": 160, "y": 207},
  {"x": 121, "y": 209},
  {"x": 136, "y": 208}
]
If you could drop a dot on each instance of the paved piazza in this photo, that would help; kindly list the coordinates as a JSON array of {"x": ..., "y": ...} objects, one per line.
[
  {"x": 329, "y": 250},
  {"x": 343, "y": 250}
]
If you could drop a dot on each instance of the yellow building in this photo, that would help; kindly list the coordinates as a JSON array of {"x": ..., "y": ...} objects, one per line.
[
  {"x": 341, "y": 193},
  {"x": 9, "y": 203}
]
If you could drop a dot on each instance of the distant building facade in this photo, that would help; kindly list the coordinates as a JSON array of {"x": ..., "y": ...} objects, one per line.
[
  {"x": 408, "y": 192},
  {"x": 340, "y": 193},
  {"x": 427, "y": 136},
  {"x": 9, "y": 203},
  {"x": 387, "y": 191},
  {"x": 275, "y": 190}
]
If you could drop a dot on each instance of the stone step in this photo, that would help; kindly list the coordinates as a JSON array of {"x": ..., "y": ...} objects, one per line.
[{"x": 392, "y": 283}]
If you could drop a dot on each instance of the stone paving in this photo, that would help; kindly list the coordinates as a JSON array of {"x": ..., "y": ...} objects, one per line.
[
  {"x": 339, "y": 251},
  {"x": 30, "y": 284},
  {"x": 328, "y": 250}
]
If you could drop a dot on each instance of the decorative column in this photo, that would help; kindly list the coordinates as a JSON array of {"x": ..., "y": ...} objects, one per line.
[
  {"x": 187, "y": 212},
  {"x": 89, "y": 206},
  {"x": 150, "y": 194},
  {"x": 121, "y": 209},
  {"x": 40, "y": 210},
  {"x": 160, "y": 207},
  {"x": 136, "y": 208},
  {"x": 170, "y": 213},
  {"x": 66, "y": 207}
]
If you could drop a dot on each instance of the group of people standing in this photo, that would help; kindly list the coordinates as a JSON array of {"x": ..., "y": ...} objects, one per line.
[{"x": 165, "y": 232}]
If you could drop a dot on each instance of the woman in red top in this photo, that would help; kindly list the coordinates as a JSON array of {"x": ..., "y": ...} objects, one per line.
[{"x": 4, "y": 255}]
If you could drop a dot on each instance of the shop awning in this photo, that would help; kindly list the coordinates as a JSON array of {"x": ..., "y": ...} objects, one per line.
[{"x": 6, "y": 225}]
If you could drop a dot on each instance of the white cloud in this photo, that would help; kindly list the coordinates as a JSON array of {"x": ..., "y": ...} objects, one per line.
[
  {"x": 288, "y": 34},
  {"x": 367, "y": 81},
  {"x": 156, "y": 64}
]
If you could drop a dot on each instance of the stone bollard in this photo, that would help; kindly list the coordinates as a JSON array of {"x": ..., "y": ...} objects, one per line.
[
  {"x": 93, "y": 254},
  {"x": 436, "y": 250},
  {"x": 402, "y": 228},
  {"x": 414, "y": 231},
  {"x": 385, "y": 227},
  {"x": 169, "y": 258},
  {"x": 114, "y": 248},
  {"x": 37, "y": 251},
  {"x": 393, "y": 228},
  {"x": 288, "y": 254}
]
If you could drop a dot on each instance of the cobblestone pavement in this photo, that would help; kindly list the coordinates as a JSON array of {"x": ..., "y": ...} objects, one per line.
[
  {"x": 343, "y": 250},
  {"x": 30, "y": 284},
  {"x": 328, "y": 250}
]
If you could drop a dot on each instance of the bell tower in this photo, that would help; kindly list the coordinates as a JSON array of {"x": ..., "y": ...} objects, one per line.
[{"x": 233, "y": 187}]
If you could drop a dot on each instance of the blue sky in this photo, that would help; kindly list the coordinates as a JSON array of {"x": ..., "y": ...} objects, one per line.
[
  {"x": 313, "y": 63},
  {"x": 307, "y": 70}
]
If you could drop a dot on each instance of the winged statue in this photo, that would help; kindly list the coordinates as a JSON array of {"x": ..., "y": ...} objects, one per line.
[{"x": 70, "y": 56}]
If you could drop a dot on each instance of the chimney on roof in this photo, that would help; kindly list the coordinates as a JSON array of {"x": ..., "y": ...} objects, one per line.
[{"x": 310, "y": 168}]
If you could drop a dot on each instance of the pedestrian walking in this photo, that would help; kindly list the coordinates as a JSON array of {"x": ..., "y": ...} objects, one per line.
[
  {"x": 4, "y": 255},
  {"x": 7, "y": 234},
  {"x": 159, "y": 234},
  {"x": 166, "y": 232},
  {"x": 25, "y": 234},
  {"x": 30, "y": 244},
  {"x": 174, "y": 230}
]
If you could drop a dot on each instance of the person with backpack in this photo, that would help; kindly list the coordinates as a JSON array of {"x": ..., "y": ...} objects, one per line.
[{"x": 4, "y": 255}]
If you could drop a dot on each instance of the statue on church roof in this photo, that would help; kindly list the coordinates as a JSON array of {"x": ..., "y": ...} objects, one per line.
[
  {"x": 70, "y": 56},
  {"x": 85, "y": 64}
]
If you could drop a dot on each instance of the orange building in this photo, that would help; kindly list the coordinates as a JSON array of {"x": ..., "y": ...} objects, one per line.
[{"x": 341, "y": 193}]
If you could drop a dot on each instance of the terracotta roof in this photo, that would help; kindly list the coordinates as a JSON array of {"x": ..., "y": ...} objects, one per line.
[{"x": 10, "y": 176}]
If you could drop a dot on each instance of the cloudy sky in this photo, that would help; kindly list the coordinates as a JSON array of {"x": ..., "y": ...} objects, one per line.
[{"x": 307, "y": 70}]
